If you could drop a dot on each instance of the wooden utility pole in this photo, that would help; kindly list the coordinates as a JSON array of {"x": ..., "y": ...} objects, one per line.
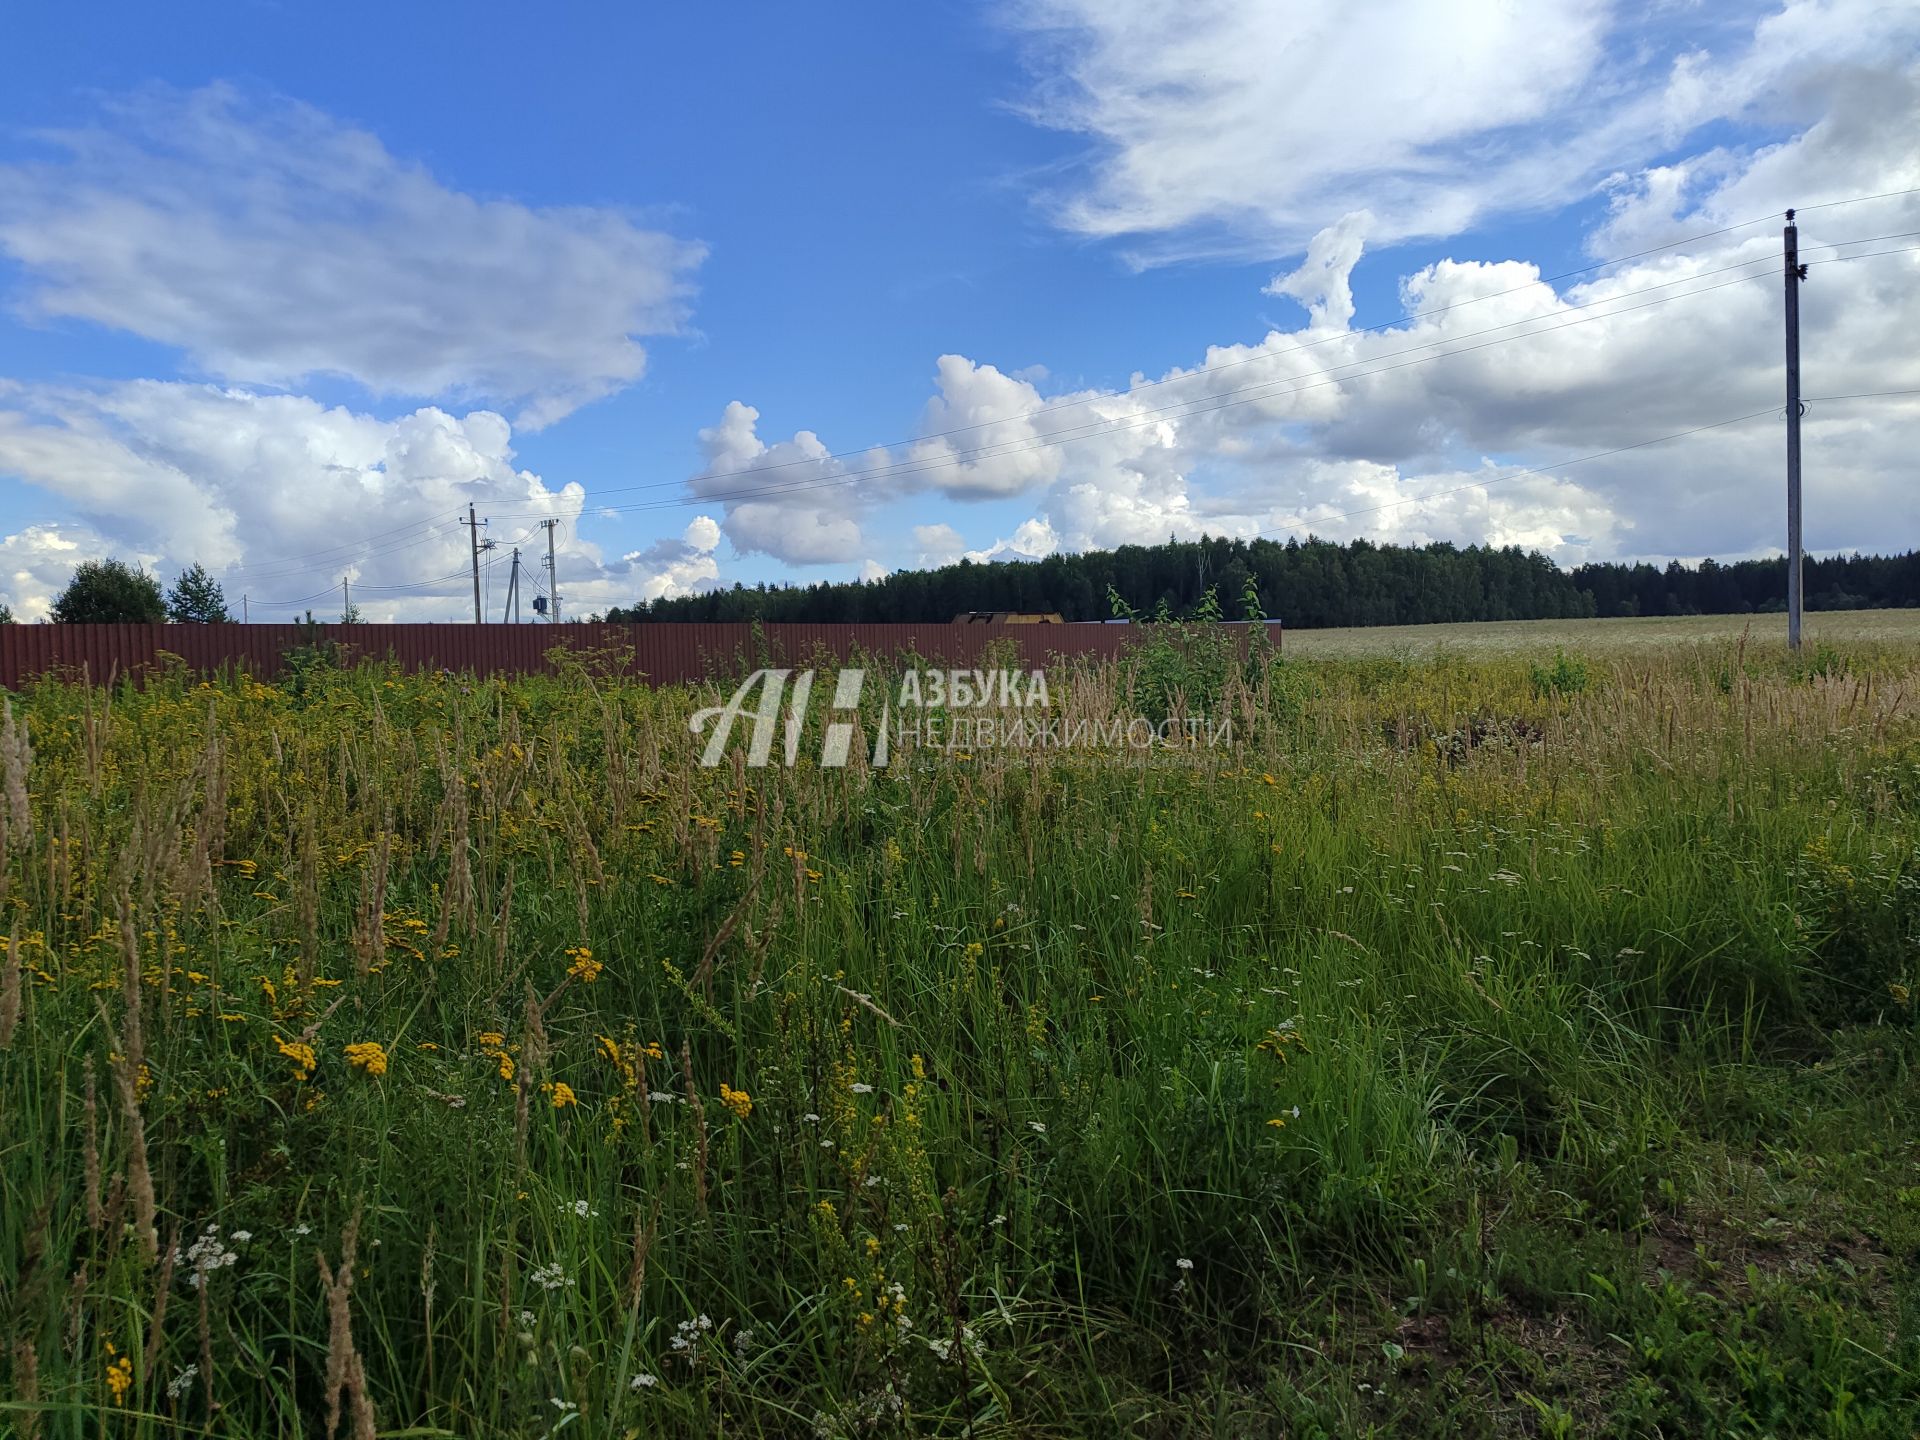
[
  {"x": 1795, "y": 273},
  {"x": 473, "y": 527},
  {"x": 553, "y": 577},
  {"x": 346, "y": 601}
]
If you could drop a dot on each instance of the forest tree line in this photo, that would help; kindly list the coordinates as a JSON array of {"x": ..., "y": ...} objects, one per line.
[{"x": 1310, "y": 584}]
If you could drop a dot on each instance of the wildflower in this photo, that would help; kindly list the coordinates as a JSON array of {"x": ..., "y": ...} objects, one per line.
[
  {"x": 207, "y": 1254},
  {"x": 1183, "y": 1263},
  {"x": 489, "y": 1040},
  {"x": 643, "y": 1381},
  {"x": 119, "y": 1377},
  {"x": 506, "y": 1064},
  {"x": 584, "y": 968},
  {"x": 561, "y": 1094},
  {"x": 738, "y": 1101},
  {"x": 661, "y": 1097},
  {"x": 301, "y": 1055},
  {"x": 368, "y": 1055},
  {"x": 582, "y": 1208},
  {"x": 182, "y": 1382},
  {"x": 551, "y": 1277},
  {"x": 860, "y": 1087},
  {"x": 1036, "y": 1127}
]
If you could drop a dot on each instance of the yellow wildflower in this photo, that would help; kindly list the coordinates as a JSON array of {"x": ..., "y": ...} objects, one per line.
[
  {"x": 368, "y": 1055},
  {"x": 738, "y": 1101},
  {"x": 301, "y": 1055},
  {"x": 489, "y": 1039},
  {"x": 584, "y": 968},
  {"x": 561, "y": 1093},
  {"x": 120, "y": 1377},
  {"x": 506, "y": 1064}
]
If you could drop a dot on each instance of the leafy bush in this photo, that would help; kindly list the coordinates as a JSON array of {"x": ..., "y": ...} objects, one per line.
[{"x": 1567, "y": 675}]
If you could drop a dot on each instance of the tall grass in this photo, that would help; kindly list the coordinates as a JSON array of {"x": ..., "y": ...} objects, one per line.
[{"x": 494, "y": 1070}]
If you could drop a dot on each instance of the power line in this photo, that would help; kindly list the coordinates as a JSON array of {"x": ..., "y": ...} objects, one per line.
[{"x": 315, "y": 555}]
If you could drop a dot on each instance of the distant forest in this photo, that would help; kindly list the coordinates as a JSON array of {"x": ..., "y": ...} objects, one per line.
[{"x": 1311, "y": 584}]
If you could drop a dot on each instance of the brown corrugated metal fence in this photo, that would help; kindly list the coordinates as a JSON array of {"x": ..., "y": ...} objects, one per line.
[{"x": 662, "y": 653}]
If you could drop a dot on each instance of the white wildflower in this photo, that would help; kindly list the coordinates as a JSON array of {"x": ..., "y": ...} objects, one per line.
[{"x": 551, "y": 1277}]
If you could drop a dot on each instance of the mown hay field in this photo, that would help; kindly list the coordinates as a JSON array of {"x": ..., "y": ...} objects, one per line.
[
  {"x": 1476, "y": 1045},
  {"x": 1638, "y": 635}
]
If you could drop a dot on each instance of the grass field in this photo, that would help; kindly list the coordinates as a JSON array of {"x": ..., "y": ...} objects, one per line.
[
  {"x": 1481, "y": 1044},
  {"x": 1846, "y": 628}
]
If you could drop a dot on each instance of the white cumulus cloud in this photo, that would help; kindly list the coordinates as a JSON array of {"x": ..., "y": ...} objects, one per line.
[{"x": 272, "y": 243}]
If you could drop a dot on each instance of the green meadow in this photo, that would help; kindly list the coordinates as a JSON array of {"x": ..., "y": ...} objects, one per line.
[{"x": 1507, "y": 1036}]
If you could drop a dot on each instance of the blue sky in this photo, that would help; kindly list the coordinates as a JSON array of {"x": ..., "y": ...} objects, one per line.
[{"x": 282, "y": 288}]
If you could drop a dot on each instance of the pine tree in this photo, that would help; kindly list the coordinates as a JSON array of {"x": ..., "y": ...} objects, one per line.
[{"x": 197, "y": 599}]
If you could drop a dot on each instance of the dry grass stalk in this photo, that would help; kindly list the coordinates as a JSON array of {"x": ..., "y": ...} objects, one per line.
[
  {"x": 10, "y": 981},
  {"x": 346, "y": 1375},
  {"x": 426, "y": 1296},
  {"x": 139, "y": 1177},
  {"x": 162, "y": 1289},
  {"x": 646, "y": 1227},
  {"x": 127, "y": 1068},
  {"x": 16, "y": 756},
  {"x": 369, "y": 926},
  {"x": 77, "y": 1308},
  {"x": 26, "y": 1387}
]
